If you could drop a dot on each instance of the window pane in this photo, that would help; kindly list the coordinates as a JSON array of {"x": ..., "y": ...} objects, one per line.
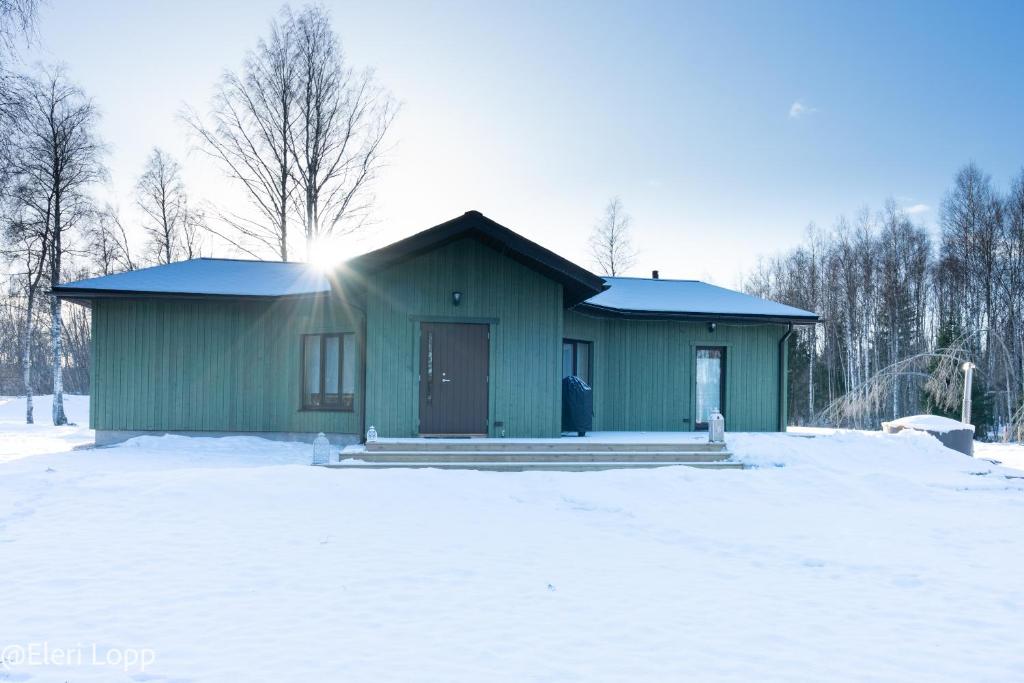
[
  {"x": 566, "y": 359},
  {"x": 311, "y": 370},
  {"x": 709, "y": 382},
  {"x": 348, "y": 371},
  {"x": 332, "y": 351},
  {"x": 583, "y": 361}
]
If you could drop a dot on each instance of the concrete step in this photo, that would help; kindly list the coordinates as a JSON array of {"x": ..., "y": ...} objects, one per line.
[
  {"x": 536, "y": 456},
  {"x": 562, "y": 446},
  {"x": 546, "y": 466}
]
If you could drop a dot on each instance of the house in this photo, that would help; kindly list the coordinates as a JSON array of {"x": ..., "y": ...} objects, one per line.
[{"x": 466, "y": 328}]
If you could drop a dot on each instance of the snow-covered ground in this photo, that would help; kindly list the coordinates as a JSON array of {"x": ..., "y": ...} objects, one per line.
[
  {"x": 846, "y": 556},
  {"x": 20, "y": 440}
]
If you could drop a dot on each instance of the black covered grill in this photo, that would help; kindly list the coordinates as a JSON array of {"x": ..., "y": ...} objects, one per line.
[{"x": 577, "y": 405}]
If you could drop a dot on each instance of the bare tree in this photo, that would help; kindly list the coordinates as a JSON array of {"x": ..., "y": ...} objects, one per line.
[
  {"x": 610, "y": 243},
  {"x": 343, "y": 118},
  {"x": 108, "y": 245},
  {"x": 301, "y": 131},
  {"x": 248, "y": 134},
  {"x": 172, "y": 225},
  {"x": 59, "y": 153},
  {"x": 17, "y": 18},
  {"x": 27, "y": 234}
]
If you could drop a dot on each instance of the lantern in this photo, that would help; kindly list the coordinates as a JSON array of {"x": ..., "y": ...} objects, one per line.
[
  {"x": 321, "y": 450},
  {"x": 371, "y": 435},
  {"x": 716, "y": 427}
]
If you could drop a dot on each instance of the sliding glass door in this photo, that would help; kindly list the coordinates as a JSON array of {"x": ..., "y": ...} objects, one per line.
[{"x": 710, "y": 379}]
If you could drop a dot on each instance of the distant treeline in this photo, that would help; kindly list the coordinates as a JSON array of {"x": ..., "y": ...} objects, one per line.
[{"x": 902, "y": 308}]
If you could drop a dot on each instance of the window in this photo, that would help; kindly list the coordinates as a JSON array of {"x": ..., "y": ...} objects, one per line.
[
  {"x": 710, "y": 387},
  {"x": 328, "y": 371},
  {"x": 576, "y": 359}
]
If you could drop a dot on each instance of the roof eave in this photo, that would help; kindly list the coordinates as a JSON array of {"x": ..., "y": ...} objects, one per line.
[
  {"x": 606, "y": 312},
  {"x": 80, "y": 295}
]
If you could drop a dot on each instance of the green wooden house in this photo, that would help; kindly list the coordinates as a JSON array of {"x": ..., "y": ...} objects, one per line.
[{"x": 466, "y": 328}]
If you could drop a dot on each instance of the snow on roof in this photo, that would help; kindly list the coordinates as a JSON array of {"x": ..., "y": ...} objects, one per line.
[
  {"x": 644, "y": 295},
  {"x": 210, "y": 276},
  {"x": 931, "y": 423}
]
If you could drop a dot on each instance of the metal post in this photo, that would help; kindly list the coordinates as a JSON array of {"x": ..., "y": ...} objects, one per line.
[{"x": 965, "y": 413}]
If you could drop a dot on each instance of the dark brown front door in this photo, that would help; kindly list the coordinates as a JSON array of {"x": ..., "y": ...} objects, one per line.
[{"x": 453, "y": 378}]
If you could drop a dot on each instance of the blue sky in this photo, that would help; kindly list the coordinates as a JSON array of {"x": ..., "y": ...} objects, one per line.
[{"x": 724, "y": 127}]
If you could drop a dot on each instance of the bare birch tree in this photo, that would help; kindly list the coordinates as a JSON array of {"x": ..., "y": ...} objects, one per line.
[
  {"x": 610, "y": 243},
  {"x": 249, "y": 134},
  {"x": 302, "y": 132},
  {"x": 59, "y": 153},
  {"x": 27, "y": 234},
  {"x": 108, "y": 246},
  {"x": 338, "y": 138},
  {"x": 17, "y": 19},
  {"x": 171, "y": 224}
]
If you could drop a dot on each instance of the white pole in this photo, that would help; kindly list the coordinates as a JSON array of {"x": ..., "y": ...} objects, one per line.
[{"x": 965, "y": 412}]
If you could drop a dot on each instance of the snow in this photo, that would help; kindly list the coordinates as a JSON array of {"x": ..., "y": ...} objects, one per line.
[
  {"x": 687, "y": 296},
  {"x": 571, "y": 437},
  {"x": 19, "y": 440},
  {"x": 932, "y": 423},
  {"x": 224, "y": 277},
  {"x": 841, "y": 555},
  {"x": 230, "y": 277},
  {"x": 1009, "y": 454}
]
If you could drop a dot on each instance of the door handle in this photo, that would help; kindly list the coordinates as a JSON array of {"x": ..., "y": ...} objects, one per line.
[{"x": 445, "y": 379}]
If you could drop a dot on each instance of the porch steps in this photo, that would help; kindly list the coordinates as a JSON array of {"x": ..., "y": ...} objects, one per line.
[
  {"x": 539, "y": 446},
  {"x": 570, "y": 465},
  {"x": 541, "y": 454}
]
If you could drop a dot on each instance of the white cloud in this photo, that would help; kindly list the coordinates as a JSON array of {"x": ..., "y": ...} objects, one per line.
[
  {"x": 799, "y": 109},
  {"x": 915, "y": 209}
]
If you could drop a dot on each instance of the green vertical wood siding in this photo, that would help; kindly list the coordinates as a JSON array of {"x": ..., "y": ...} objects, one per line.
[
  {"x": 208, "y": 365},
  {"x": 211, "y": 365},
  {"x": 523, "y": 307},
  {"x": 643, "y": 372}
]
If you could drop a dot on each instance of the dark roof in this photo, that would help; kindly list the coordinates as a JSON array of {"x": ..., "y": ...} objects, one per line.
[
  {"x": 577, "y": 283},
  {"x": 589, "y": 293},
  {"x": 204, "y": 277},
  {"x": 631, "y": 297}
]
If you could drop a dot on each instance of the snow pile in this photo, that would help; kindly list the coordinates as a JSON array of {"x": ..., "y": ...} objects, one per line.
[
  {"x": 931, "y": 423},
  {"x": 846, "y": 556}
]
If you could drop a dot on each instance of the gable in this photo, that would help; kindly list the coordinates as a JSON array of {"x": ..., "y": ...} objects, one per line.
[{"x": 577, "y": 283}]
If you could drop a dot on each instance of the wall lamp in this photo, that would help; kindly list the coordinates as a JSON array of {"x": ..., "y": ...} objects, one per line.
[
  {"x": 712, "y": 327},
  {"x": 456, "y": 298}
]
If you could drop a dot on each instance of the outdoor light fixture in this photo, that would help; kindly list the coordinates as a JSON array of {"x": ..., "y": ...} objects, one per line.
[
  {"x": 712, "y": 326},
  {"x": 456, "y": 298}
]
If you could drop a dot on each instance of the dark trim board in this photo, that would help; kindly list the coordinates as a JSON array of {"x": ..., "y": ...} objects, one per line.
[
  {"x": 83, "y": 296},
  {"x": 602, "y": 312}
]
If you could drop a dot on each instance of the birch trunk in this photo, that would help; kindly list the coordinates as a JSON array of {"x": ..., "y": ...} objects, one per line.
[
  {"x": 810, "y": 372},
  {"x": 59, "y": 418},
  {"x": 26, "y": 361}
]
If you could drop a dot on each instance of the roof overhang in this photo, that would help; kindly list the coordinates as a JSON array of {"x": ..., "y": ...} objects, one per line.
[
  {"x": 750, "y": 319},
  {"x": 84, "y": 296},
  {"x": 578, "y": 284}
]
